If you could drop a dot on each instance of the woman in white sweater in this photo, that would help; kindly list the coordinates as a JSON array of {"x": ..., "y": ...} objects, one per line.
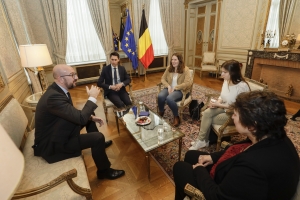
[{"x": 233, "y": 84}]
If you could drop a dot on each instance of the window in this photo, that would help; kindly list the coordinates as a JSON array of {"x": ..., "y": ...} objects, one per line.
[
  {"x": 156, "y": 31},
  {"x": 83, "y": 44},
  {"x": 273, "y": 25}
]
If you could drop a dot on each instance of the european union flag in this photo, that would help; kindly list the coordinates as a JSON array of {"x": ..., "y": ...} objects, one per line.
[
  {"x": 116, "y": 41},
  {"x": 128, "y": 43}
]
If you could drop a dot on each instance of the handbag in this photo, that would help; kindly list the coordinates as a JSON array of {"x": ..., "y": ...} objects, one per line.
[{"x": 195, "y": 109}]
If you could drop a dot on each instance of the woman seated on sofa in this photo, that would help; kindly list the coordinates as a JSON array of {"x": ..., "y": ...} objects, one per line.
[
  {"x": 233, "y": 84},
  {"x": 176, "y": 80},
  {"x": 266, "y": 166}
]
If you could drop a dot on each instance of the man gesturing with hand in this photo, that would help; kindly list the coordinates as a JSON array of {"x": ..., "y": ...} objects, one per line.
[{"x": 58, "y": 124}]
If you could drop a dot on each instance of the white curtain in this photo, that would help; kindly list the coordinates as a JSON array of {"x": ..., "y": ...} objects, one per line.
[
  {"x": 167, "y": 18},
  {"x": 83, "y": 44},
  {"x": 99, "y": 10},
  {"x": 136, "y": 16},
  {"x": 273, "y": 24},
  {"x": 285, "y": 15},
  {"x": 156, "y": 31},
  {"x": 56, "y": 19}
]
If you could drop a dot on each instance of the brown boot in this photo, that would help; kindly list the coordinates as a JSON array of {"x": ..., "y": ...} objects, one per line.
[
  {"x": 176, "y": 121},
  {"x": 161, "y": 113}
]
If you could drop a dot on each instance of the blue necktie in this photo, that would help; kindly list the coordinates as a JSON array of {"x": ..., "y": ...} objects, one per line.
[{"x": 115, "y": 76}]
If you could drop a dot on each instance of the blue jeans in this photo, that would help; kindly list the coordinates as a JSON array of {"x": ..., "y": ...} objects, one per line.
[{"x": 171, "y": 99}]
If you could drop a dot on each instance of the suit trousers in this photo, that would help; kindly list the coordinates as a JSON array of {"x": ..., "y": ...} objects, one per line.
[
  {"x": 96, "y": 141},
  {"x": 186, "y": 166},
  {"x": 119, "y": 98}
]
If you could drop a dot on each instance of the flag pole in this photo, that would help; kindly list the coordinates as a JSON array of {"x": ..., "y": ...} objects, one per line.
[{"x": 130, "y": 63}]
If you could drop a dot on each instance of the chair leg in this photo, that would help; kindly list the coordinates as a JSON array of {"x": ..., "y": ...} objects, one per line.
[
  {"x": 105, "y": 111},
  {"x": 180, "y": 113},
  {"x": 218, "y": 143}
]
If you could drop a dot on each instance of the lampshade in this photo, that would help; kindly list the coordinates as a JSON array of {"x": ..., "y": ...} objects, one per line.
[{"x": 35, "y": 55}]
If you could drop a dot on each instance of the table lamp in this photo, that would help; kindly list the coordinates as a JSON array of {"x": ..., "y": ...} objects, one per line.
[{"x": 36, "y": 55}]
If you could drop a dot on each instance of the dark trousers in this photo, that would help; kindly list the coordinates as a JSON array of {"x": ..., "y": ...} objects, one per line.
[
  {"x": 119, "y": 98},
  {"x": 183, "y": 172},
  {"x": 96, "y": 141}
]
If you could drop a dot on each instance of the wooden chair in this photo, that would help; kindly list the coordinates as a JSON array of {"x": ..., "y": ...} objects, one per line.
[
  {"x": 193, "y": 192},
  {"x": 228, "y": 128},
  {"x": 209, "y": 63},
  {"x": 184, "y": 102}
]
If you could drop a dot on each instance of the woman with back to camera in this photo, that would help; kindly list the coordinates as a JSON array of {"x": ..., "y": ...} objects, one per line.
[
  {"x": 176, "y": 80},
  {"x": 233, "y": 85},
  {"x": 265, "y": 166}
]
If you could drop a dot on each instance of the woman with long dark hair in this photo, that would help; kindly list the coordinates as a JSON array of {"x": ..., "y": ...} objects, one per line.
[
  {"x": 176, "y": 80},
  {"x": 233, "y": 85}
]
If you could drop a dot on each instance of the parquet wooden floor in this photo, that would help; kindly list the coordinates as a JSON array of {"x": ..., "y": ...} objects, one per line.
[{"x": 127, "y": 155}]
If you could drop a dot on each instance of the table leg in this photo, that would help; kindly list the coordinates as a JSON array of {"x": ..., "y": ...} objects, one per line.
[
  {"x": 179, "y": 151},
  {"x": 117, "y": 122},
  {"x": 148, "y": 165}
]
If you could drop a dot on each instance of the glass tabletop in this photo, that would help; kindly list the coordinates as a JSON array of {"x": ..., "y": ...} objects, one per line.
[{"x": 147, "y": 135}]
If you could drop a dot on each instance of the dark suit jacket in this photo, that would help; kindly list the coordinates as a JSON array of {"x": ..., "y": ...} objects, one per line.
[
  {"x": 267, "y": 170},
  {"x": 105, "y": 79},
  {"x": 58, "y": 121}
]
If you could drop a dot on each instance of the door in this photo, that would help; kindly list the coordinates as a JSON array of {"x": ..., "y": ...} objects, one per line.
[{"x": 205, "y": 30}]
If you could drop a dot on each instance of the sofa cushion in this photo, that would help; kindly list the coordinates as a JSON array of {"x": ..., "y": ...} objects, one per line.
[
  {"x": 14, "y": 121},
  {"x": 38, "y": 172}
]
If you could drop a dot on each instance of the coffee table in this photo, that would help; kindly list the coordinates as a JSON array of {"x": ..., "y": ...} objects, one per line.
[{"x": 146, "y": 136}]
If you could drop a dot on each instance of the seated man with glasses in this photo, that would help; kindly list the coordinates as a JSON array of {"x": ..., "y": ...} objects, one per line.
[
  {"x": 113, "y": 80},
  {"x": 58, "y": 124}
]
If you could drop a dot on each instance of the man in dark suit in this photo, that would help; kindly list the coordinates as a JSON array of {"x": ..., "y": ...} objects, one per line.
[
  {"x": 58, "y": 124},
  {"x": 113, "y": 80}
]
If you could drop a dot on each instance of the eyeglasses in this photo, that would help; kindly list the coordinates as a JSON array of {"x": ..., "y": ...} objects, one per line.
[{"x": 72, "y": 74}]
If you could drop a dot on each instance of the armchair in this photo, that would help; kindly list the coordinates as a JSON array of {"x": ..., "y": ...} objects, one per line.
[
  {"x": 228, "y": 128},
  {"x": 209, "y": 63},
  {"x": 193, "y": 192},
  {"x": 184, "y": 102}
]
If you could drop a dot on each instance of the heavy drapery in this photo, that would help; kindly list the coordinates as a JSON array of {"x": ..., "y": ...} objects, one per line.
[
  {"x": 166, "y": 10},
  {"x": 56, "y": 18},
  {"x": 101, "y": 17}
]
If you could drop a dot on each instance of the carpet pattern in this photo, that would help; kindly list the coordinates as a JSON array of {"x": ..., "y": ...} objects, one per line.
[{"x": 168, "y": 154}]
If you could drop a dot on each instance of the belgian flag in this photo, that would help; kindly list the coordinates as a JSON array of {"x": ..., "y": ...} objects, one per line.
[{"x": 146, "y": 54}]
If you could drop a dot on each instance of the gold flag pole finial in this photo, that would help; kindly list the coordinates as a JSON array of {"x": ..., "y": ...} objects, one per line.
[{"x": 143, "y": 6}]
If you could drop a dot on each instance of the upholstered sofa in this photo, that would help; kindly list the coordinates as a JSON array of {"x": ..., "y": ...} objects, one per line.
[{"x": 62, "y": 180}]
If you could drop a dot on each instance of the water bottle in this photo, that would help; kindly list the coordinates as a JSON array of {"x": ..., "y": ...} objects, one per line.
[{"x": 141, "y": 106}]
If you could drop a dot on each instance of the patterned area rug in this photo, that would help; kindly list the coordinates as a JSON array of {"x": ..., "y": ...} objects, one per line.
[{"x": 167, "y": 155}]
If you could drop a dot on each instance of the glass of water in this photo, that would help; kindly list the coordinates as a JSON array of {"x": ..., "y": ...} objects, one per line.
[
  {"x": 165, "y": 127},
  {"x": 160, "y": 134}
]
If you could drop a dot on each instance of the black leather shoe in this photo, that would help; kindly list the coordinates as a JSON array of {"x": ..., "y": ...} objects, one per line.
[
  {"x": 111, "y": 174},
  {"x": 108, "y": 143}
]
